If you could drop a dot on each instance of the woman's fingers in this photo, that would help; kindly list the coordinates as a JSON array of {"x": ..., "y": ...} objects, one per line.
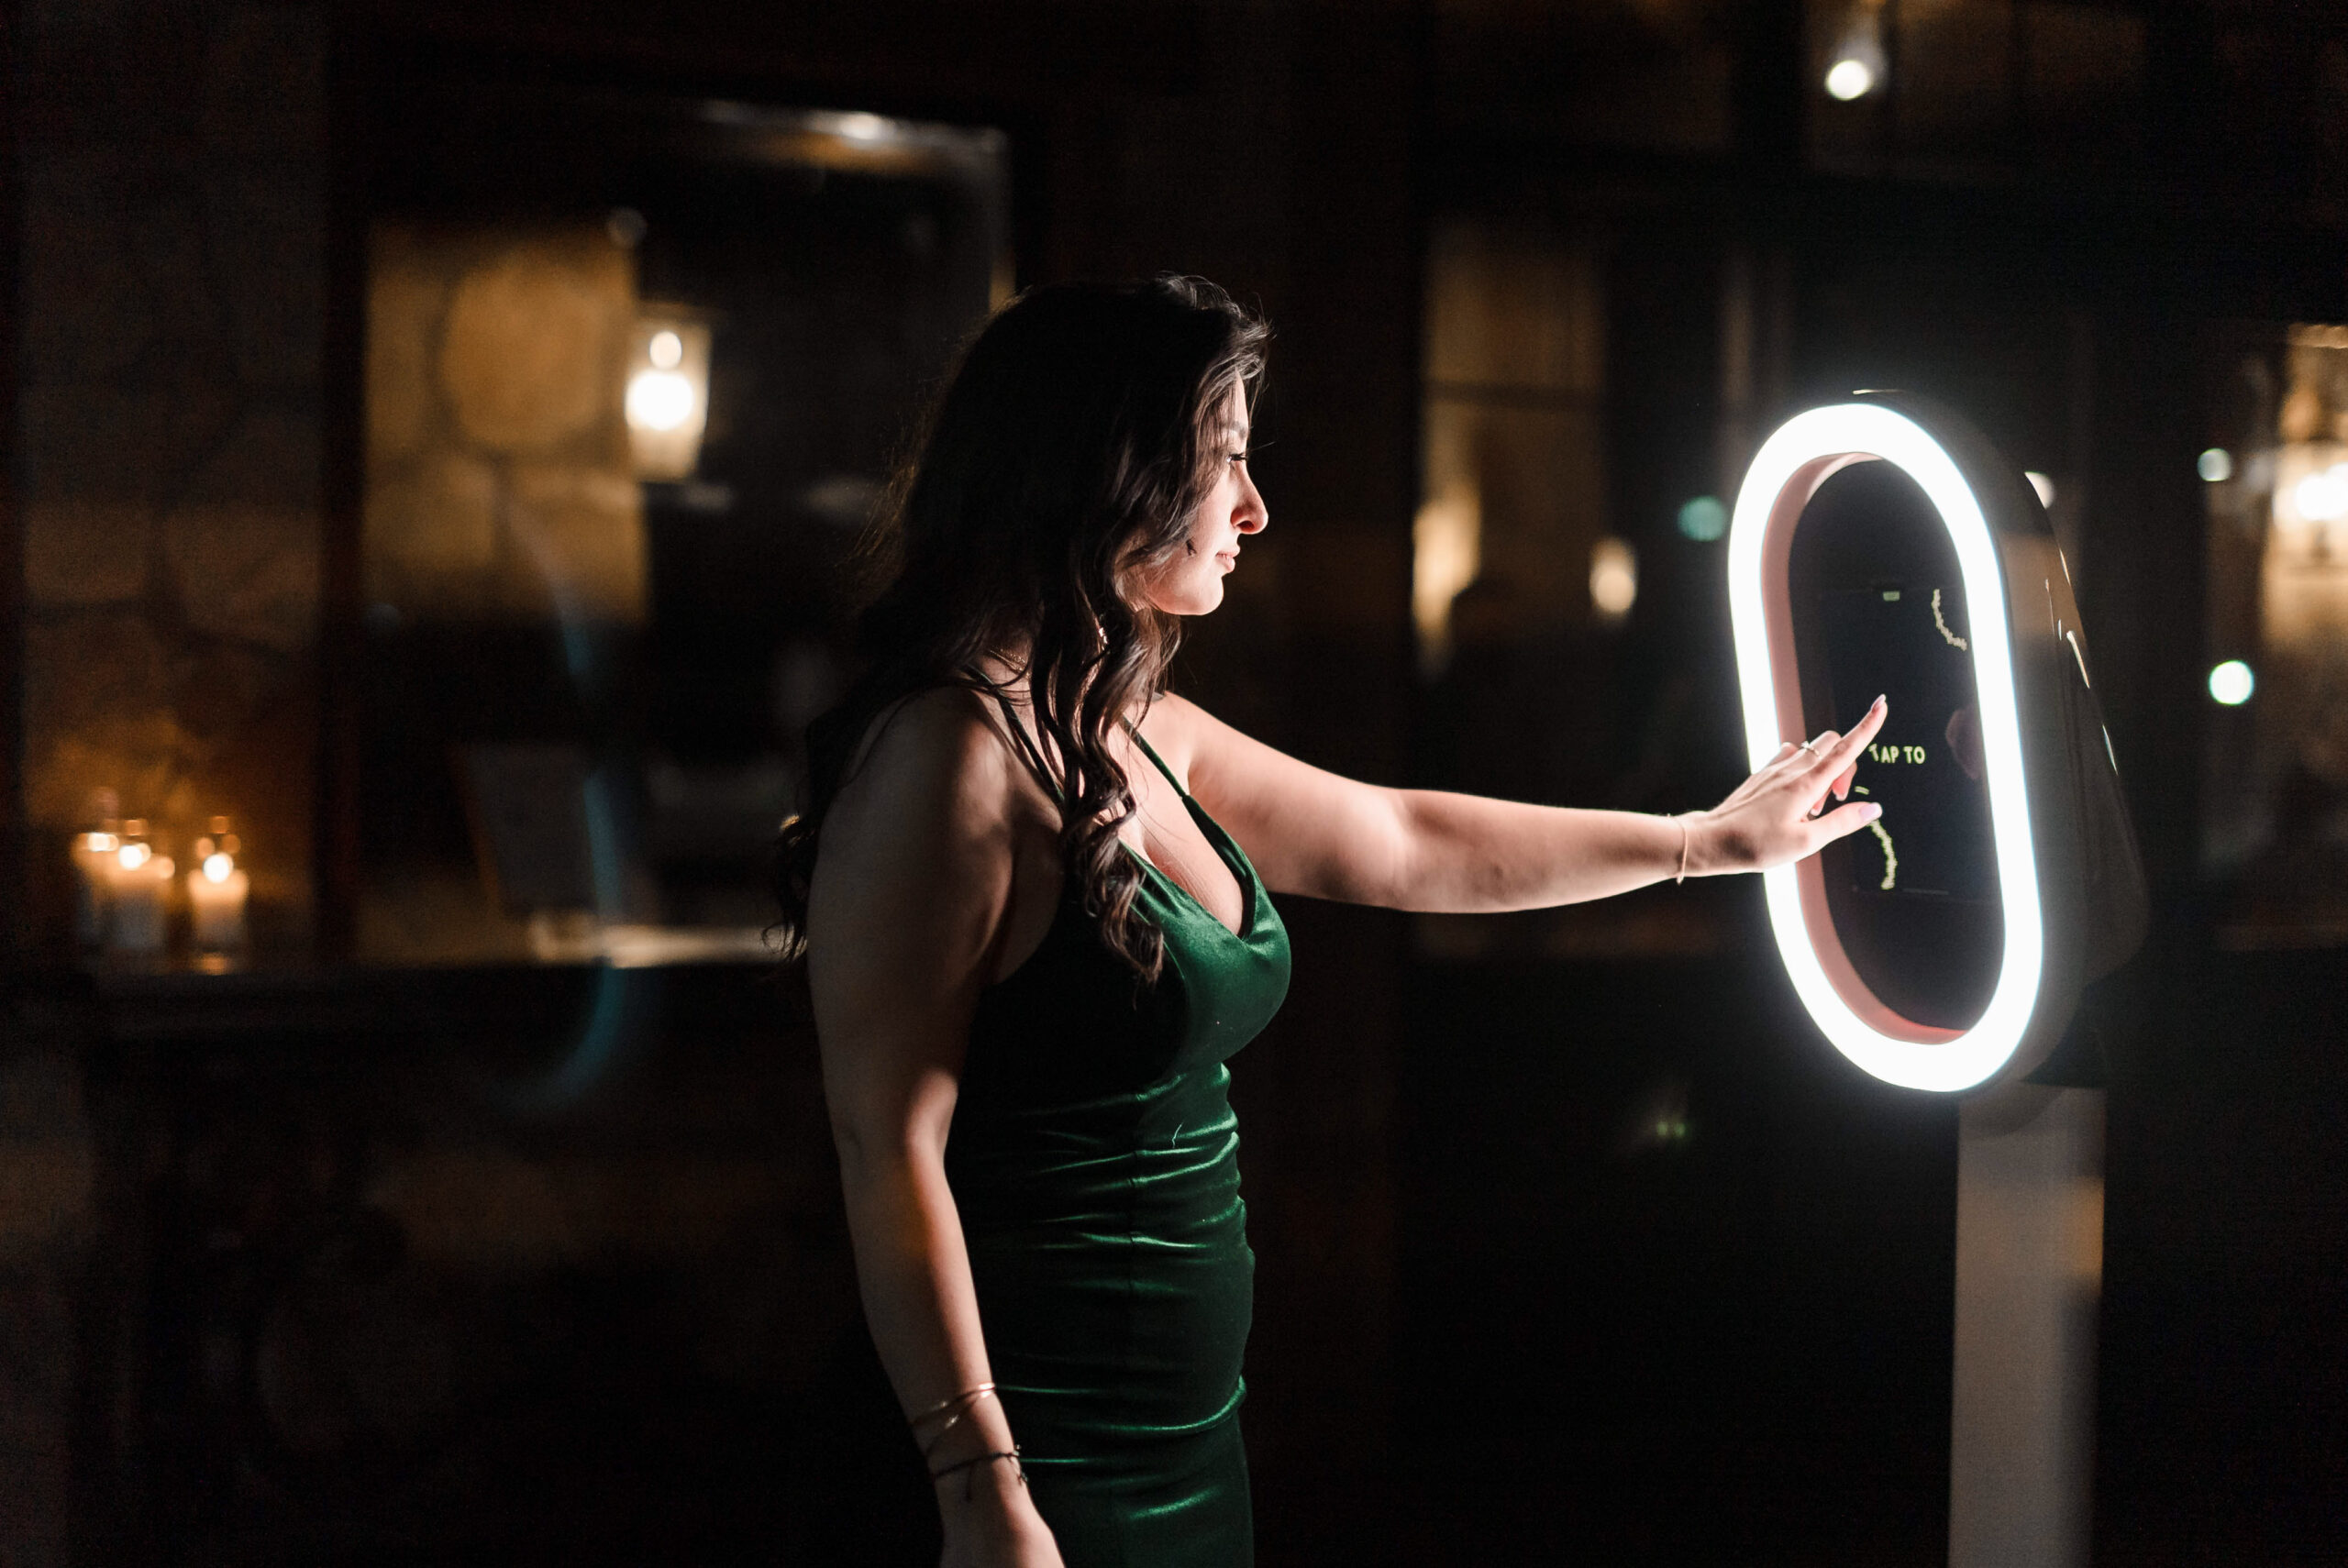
[
  {"x": 1841, "y": 755},
  {"x": 1840, "y": 822},
  {"x": 1786, "y": 809}
]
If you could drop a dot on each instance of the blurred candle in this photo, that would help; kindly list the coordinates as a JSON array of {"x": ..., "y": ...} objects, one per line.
[
  {"x": 93, "y": 859},
  {"x": 139, "y": 882},
  {"x": 216, "y": 895},
  {"x": 94, "y": 854},
  {"x": 217, "y": 891}
]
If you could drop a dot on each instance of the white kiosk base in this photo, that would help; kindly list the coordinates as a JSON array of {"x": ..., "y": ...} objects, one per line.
[{"x": 2029, "y": 1278}]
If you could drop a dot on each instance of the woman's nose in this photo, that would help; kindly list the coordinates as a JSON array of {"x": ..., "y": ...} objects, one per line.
[{"x": 1252, "y": 513}]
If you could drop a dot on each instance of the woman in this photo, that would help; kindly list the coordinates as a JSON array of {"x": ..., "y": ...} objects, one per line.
[{"x": 1031, "y": 888}]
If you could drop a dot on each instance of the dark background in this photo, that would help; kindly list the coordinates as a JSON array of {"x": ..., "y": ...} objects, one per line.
[{"x": 303, "y": 1264}]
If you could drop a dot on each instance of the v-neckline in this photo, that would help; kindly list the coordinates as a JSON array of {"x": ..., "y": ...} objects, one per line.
[{"x": 1209, "y": 830}]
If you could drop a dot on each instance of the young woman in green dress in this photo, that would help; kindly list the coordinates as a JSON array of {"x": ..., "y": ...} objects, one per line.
[{"x": 1032, "y": 890}]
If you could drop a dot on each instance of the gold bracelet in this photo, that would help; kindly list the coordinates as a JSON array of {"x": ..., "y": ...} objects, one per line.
[
  {"x": 955, "y": 1420},
  {"x": 966, "y": 1396}
]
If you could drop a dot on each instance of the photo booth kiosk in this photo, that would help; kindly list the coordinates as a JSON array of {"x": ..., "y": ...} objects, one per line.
[{"x": 1880, "y": 544}]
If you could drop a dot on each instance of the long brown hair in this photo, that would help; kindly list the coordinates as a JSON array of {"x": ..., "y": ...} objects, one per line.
[{"x": 1069, "y": 449}]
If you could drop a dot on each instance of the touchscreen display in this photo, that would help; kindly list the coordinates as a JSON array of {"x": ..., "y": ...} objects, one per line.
[{"x": 1908, "y": 641}]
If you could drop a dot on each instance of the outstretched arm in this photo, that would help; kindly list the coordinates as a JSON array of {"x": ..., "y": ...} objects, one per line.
[
  {"x": 910, "y": 896},
  {"x": 1313, "y": 833}
]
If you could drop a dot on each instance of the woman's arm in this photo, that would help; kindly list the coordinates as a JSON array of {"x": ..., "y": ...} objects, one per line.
[
  {"x": 910, "y": 899},
  {"x": 1313, "y": 833}
]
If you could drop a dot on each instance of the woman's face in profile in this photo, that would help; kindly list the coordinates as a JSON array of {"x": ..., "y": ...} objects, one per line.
[{"x": 1191, "y": 583}]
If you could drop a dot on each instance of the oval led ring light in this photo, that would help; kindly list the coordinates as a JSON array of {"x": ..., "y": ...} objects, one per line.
[{"x": 1791, "y": 465}]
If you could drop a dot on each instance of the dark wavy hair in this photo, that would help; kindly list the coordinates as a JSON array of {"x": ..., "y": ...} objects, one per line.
[{"x": 1071, "y": 448}]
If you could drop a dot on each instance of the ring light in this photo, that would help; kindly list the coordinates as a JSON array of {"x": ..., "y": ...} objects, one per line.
[{"x": 1882, "y": 543}]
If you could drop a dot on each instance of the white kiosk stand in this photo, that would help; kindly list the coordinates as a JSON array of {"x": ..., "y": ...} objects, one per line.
[{"x": 1881, "y": 545}]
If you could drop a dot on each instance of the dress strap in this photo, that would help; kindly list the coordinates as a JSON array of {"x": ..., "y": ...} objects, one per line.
[
  {"x": 1028, "y": 751},
  {"x": 1151, "y": 752},
  {"x": 1034, "y": 755}
]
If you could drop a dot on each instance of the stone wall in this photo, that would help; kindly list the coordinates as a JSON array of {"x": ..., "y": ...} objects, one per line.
[
  {"x": 498, "y": 484},
  {"x": 173, "y": 168},
  {"x": 172, "y": 282}
]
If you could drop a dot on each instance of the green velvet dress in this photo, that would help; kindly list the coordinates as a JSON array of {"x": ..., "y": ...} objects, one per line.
[{"x": 1094, "y": 1159}]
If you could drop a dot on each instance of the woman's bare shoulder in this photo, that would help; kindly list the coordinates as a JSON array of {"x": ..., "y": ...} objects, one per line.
[
  {"x": 1177, "y": 728},
  {"x": 931, "y": 761},
  {"x": 917, "y": 858},
  {"x": 914, "y": 871}
]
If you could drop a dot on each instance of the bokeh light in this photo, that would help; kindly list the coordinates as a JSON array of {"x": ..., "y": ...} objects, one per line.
[
  {"x": 1613, "y": 577},
  {"x": 2216, "y": 465},
  {"x": 2233, "y": 682},
  {"x": 1848, "y": 78},
  {"x": 660, "y": 400},
  {"x": 1703, "y": 519},
  {"x": 2323, "y": 497}
]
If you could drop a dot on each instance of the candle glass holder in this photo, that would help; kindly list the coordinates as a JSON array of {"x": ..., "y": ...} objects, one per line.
[
  {"x": 217, "y": 889},
  {"x": 138, "y": 884},
  {"x": 94, "y": 857}
]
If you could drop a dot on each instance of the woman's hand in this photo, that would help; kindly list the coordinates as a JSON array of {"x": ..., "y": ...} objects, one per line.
[
  {"x": 991, "y": 1521},
  {"x": 1779, "y": 814}
]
